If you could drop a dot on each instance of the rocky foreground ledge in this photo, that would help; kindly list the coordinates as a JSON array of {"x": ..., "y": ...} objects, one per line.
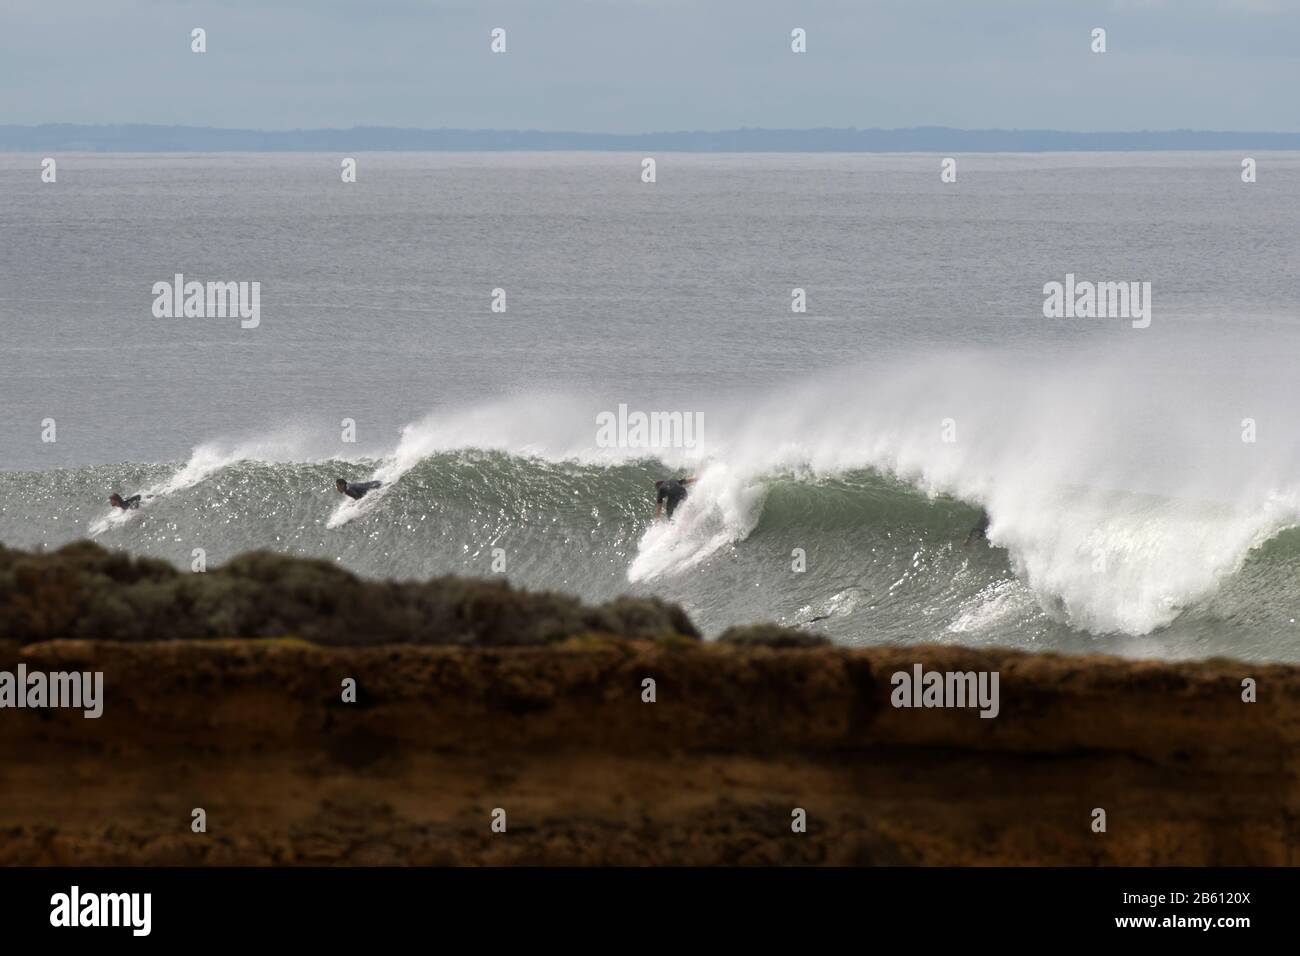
[{"x": 453, "y": 721}]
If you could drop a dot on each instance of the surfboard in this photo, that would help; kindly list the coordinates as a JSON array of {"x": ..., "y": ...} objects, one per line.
[
  {"x": 353, "y": 508},
  {"x": 116, "y": 518}
]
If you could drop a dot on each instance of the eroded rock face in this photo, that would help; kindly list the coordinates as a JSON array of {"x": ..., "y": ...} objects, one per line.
[
  {"x": 560, "y": 737},
  {"x": 559, "y": 734}
]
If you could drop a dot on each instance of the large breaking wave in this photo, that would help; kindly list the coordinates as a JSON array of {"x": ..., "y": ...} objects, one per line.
[{"x": 1123, "y": 518}]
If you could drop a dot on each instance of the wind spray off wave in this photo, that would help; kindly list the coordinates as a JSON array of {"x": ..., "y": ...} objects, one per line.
[{"x": 1115, "y": 512}]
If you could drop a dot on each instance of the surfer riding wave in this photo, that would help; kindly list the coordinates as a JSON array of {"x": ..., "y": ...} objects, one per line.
[
  {"x": 355, "y": 490},
  {"x": 671, "y": 492}
]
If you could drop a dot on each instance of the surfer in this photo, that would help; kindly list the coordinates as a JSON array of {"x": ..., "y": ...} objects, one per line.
[
  {"x": 980, "y": 532},
  {"x": 671, "y": 493},
  {"x": 117, "y": 501},
  {"x": 355, "y": 491}
]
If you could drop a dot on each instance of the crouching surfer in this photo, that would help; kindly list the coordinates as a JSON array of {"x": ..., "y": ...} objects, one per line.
[
  {"x": 355, "y": 490},
  {"x": 670, "y": 492},
  {"x": 980, "y": 532},
  {"x": 126, "y": 504}
]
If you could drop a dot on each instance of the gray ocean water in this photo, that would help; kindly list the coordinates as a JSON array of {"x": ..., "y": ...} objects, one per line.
[{"x": 1142, "y": 484}]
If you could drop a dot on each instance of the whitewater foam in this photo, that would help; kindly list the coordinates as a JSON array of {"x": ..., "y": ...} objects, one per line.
[{"x": 206, "y": 460}]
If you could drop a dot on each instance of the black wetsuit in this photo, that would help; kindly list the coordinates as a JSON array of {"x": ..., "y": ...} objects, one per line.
[
  {"x": 133, "y": 502},
  {"x": 358, "y": 489},
  {"x": 671, "y": 493}
]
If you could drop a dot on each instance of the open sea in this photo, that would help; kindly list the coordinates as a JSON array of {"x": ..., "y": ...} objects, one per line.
[{"x": 459, "y": 326}]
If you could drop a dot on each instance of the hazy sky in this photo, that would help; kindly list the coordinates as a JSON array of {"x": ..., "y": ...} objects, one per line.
[{"x": 645, "y": 65}]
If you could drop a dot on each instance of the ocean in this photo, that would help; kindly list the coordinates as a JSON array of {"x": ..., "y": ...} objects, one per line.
[{"x": 459, "y": 325}]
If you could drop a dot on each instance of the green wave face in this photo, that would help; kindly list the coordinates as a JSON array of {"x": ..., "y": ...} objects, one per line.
[{"x": 861, "y": 557}]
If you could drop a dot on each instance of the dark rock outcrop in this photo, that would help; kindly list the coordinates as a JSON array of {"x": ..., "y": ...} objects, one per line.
[{"x": 83, "y": 591}]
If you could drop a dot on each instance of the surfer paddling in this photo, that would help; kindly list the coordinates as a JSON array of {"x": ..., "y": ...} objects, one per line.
[
  {"x": 355, "y": 490},
  {"x": 670, "y": 493},
  {"x": 126, "y": 504}
]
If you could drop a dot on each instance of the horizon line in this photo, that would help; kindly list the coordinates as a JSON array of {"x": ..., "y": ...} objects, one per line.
[{"x": 160, "y": 137}]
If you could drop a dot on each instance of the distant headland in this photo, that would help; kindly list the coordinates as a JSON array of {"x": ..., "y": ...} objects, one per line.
[{"x": 142, "y": 138}]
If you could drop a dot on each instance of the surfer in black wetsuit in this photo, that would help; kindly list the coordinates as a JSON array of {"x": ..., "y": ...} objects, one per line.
[
  {"x": 355, "y": 491},
  {"x": 980, "y": 532},
  {"x": 671, "y": 492},
  {"x": 117, "y": 501}
]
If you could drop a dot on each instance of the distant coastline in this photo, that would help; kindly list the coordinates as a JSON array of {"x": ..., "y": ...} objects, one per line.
[{"x": 140, "y": 138}]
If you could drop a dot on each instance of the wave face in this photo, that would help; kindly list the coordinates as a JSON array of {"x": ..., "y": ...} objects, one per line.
[
  {"x": 1109, "y": 529},
  {"x": 883, "y": 561}
]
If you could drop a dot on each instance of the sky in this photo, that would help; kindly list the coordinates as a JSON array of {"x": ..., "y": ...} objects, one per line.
[{"x": 624, "y": 66}]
